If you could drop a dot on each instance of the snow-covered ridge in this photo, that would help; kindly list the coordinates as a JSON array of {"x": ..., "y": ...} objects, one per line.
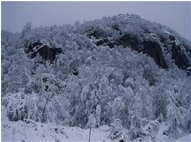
[{"x": 122, "y": 72}]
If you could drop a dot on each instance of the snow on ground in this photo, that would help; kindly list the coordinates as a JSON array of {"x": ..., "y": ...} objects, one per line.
[
  {"x": 31, "y": 131},
  {"x": 186, "y": 138},
  {"x": 35, "y": 131},
  {"x": 163, "y": 138},
  {"x": 160, "y": 137}
]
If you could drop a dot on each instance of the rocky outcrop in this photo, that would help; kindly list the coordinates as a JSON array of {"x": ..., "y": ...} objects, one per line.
[
  {"x": 152, "y": 48},
  {"x": 180, "y": 54},
  {"x": 46, "y": 52},
  {"x": 131, "y": 42}
]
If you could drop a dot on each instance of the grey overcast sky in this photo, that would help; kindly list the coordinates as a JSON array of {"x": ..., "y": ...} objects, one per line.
[{"x": 15, "y": 15}]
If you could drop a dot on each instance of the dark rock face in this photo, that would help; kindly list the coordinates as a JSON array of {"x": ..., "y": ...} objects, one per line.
[
  {"x": 44, "y": 51},
  {"x": 180, "y": 58},
  {"x": 94, "y": 33},
  {"x": 154, "y": 50},
  {"x": 48, "y": 53},
  {"x": 101, "y": 42},
  {"x": 180, "y": 55},
  {"x": 149, "y": 47},
  {"x": 130, "y": 41},
  {"x": 33, "y": 46},
  {"x": 171, "y": 37}
]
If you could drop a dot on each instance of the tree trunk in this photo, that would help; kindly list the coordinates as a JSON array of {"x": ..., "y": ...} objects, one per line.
[{"x": 90, "y": 134}]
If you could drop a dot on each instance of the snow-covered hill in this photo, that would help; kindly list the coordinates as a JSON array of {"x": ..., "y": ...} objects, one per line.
[{"x": 123, "y": 76}]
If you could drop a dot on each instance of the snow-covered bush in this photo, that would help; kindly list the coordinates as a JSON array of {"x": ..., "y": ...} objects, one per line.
[
  {"x": 16, "y": 106},
  {"x": 116, "y": 130}
]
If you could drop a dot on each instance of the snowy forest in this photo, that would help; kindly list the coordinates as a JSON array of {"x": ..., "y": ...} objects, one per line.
[{"x": 117, "y": 79}]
